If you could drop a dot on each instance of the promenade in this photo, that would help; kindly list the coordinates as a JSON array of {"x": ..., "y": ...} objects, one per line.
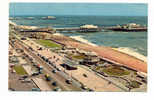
[{"x": 105, "y": 52}]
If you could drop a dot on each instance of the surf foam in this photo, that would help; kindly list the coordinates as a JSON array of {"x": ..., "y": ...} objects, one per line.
[
  {"x": 81, "y": 39},
  {"x": 131, "y": 52}
]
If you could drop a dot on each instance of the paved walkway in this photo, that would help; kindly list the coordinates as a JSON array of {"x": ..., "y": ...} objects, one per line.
[{"x": 42, "y": 84}]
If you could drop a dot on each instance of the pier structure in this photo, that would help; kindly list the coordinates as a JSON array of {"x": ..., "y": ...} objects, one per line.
[{"x": 84, "y": 28}]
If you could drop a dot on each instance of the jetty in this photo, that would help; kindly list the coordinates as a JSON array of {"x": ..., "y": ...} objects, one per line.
[
  {"x": 132, "y": 27},
  {"x": 84, "y": 28}
]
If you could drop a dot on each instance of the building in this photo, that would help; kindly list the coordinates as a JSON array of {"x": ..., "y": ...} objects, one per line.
[
  {"x": 69, "y": 65},
  {"x": 89, "y": 28}
]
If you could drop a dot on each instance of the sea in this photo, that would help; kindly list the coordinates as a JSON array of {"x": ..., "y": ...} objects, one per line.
[{"x": 135, "y": 41}]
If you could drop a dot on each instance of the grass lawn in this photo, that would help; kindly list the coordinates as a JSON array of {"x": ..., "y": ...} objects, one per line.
[
  {"x": 48, "y": 43},
  {"x": 134, "y": 84},
  {"x": 20, "y": 70},
  {"x": 115, "y": 71},
  {"x": 98, "y": 68},
  {"x": 76, "y": 56}
]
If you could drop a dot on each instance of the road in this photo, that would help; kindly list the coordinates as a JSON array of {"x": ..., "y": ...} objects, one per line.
[{"x": 57, "y": 77}]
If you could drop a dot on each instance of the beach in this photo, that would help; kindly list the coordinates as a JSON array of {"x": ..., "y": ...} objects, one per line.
[
  {"x": 125, "y": 50},
  {"x": 105, "y": 52},
  {"x": 132, "y": 53}
]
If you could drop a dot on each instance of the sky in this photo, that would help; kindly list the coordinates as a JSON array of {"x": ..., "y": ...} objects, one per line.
[{"x": 105, "y": 9}]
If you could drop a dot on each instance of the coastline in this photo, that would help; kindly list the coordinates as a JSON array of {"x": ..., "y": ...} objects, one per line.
[
  {"x": 125, "y": 50},
  {"x": 80, "y": 39},
  {"x": 105, "y": 52},
  {"x": 131, "y": 53}
]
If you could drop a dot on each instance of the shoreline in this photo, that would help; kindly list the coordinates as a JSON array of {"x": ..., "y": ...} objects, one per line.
[
  {"x": 130, "y": 52},
  {"x": 125, "y": 50}
]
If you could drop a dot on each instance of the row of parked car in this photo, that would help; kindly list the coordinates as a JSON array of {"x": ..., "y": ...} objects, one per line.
[
  {"x": 54, "y": 83},
  {"x": 39, "y": 69},
  {"x": 49, "y": 62}
]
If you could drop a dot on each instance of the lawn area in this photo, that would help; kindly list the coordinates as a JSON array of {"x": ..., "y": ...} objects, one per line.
[
  {"x": 115, "y": 71},
  {"x": 76, "y": 56},
  {"x": 48, "y": 43},
  {"x": 20, "y": 70},
  {"x": 135, "y": 84},
  {"x": 98, "y": 68}
]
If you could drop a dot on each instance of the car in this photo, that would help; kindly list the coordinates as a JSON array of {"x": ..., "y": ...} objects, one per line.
[
  {"x": 91, "y": 90},
  {"x": 30, "y": 59},
  {"x": 23, "y": 57},
  {"x": 84, "y": 87},
  {"x": 25, "y": 76},
  {"x": 58, "y": 69},
  {"x": 38, "y": 54},
  {"x": 54, "y": 71},
  {"x": 42, "y": 57},
  {"x": 49, "y": 62},
  {"x": 46, "y": 60},
  {"x": 34, "y": 64},
  {"x": 40, "y": 72},
  {"x": 21, "y": 78},
  {"x": 23, "y": 38},
  {"x": 54, "y": 83},
  {"x": 68, "y": 81},
  {"x": 85, "y": 75},
  {"x": 35, "y": 74},
  {"x": 48, "y": 78},
  {"x": 11, "y": 89},
  {"x": 26, "y": 81},
  {"x": 40, "y": 48},
  {"x": 26, "y": 56},
  {"x": 36, "y": 89},
  {"x": 57, "y": 89},
  {"x": 30, "y": 48}
]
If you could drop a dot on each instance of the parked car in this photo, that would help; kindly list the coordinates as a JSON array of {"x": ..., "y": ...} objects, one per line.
[
  {"x": 35, "y": 74},
  {"x": 58, "y": 69},
  {"x": 54, "y": 83},
  {"x": 54, "y": 71},
  {"x": 38, "y": 54},
  {"x": 26, "y": 81},
  {"x": 49, "y": 62},
  {"x": 25, "y": 76},
  {"x": 57, "y": 89},
  {"x": 36, "y": 89},
  {"x": 84, "y": 87},
  {"x": 48, "y": 78},
  {"x": 40, "y": 48},
  {"x": 34, "y": 64},
  {"x": 23, "y": 38},
  {"x": 11, "y": 89},
  {"x": 68, "y": 81},
  {"x": 91, "y": 90},
  {"x": 85, "y": 75}
]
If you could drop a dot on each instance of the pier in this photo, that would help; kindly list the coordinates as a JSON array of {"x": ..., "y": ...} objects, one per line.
[
  {"x": 84, "y": 28},
  {"x": 77, "y": 29},
  {"x": 90, "y": 28}
]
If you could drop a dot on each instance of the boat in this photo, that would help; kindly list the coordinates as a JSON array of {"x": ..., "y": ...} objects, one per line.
[{"x": 49, "y": 17}]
